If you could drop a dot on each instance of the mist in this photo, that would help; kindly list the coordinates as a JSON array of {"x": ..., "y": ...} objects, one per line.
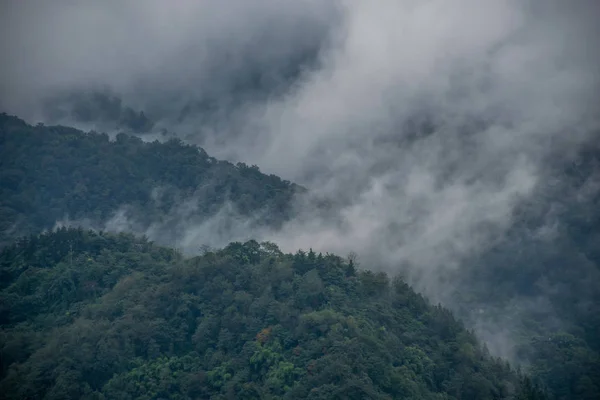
[{"x": 427, "y": 125}]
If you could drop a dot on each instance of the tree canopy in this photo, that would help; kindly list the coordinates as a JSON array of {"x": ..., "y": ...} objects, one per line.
[
  {"x": 49, "y": 173},
  {"x": 102, "y": 316}
]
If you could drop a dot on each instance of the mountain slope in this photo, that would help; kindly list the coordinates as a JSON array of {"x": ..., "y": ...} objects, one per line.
[
  {"x": 48, "y": 174},
  {"x": 537, "y": 292},
  {"x": 103, "y": 316},
  {"x": 539, "y": 284}
]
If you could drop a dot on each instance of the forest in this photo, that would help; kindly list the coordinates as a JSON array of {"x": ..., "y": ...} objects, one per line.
[
  {"x": 51, "y": 173},
  {"x": 92, "y": 315}
]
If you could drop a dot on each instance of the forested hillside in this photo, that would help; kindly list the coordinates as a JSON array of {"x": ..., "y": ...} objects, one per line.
[
  {"x": 53, "y": 173},
  {"x": 101, "y": 316},
  {"x": 542, "y": 290}
]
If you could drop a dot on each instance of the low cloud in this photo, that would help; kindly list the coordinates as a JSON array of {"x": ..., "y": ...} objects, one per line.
[{"x": 428, "y": 126}]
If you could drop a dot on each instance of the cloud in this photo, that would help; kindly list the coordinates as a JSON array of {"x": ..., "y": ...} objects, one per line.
[
  {"x": 426, "y": 124},
  {"x": 146, "y": 50}
]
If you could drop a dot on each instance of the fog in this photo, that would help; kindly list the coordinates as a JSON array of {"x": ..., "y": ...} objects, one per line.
[{"x": 427, "y": 123}]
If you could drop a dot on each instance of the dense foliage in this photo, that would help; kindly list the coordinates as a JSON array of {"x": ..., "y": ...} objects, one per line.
[
  {"x": 103, "y": 316},
  {"x": 49, "y": 173}
]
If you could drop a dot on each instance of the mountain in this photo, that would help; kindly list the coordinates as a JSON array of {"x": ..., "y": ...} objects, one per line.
[
  {"x": 102, "y": 316},
  {"x": 55, "y": 173},
  {"x": 536, "y": 288},
  {"x": 540, "y": 281},
  {"x": 454, "y": 147},
  {"x": 99, "y": 108}
]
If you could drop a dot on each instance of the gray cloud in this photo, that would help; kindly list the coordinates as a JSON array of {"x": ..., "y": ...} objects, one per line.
[
  {"x": 146, "y": 50},
  {"x": 428, "y": 124}
]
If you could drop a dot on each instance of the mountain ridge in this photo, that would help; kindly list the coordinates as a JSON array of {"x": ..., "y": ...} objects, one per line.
[
  {"x": 87, "y": 175},
  {"x": 98, "y": 315},
  {"x": 127, "y": 185}
]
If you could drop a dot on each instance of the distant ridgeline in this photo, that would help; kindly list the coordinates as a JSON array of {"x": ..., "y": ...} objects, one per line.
[
  {"x": 49, "y": 173},
  {"x": 87, "y": 315},
  {"x": 100, "y": 108}
]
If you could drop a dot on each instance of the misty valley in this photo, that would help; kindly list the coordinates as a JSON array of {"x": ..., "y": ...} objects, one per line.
[{"x": 326, "y": 199}]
